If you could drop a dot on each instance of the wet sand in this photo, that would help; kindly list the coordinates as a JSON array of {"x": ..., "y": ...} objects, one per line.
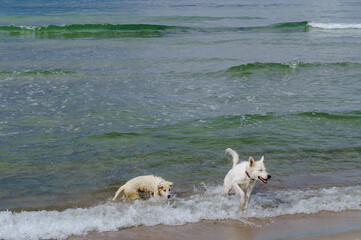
[{"x": 320, "y": 226}]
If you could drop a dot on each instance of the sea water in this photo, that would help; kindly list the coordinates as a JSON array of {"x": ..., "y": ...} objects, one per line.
[{"x": 94, "y": 93}]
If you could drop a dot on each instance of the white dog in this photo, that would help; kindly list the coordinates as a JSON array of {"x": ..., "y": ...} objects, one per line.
[
  {"x": 152, "y": 185},
  {"x": 243, "y": 176}
]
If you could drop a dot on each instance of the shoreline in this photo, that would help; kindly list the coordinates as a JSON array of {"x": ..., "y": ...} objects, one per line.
[{"x": 323, "y": 225}]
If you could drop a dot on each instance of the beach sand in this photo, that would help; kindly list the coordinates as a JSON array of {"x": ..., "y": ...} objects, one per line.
[{"x": 324, "y": 225}]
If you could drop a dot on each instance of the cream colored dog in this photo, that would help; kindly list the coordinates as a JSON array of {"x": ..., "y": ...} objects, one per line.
[{"x": 152, "y": 185}]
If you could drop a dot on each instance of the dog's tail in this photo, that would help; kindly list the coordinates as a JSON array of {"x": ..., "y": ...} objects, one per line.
[
  {"x": 234, "y": 156},
  {"x": 121, "y": 189}
]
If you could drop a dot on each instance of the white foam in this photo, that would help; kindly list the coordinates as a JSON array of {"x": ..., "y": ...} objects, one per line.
[
  {"x": 29, "y": 27},
  {"x": 202, "y": 205},
  {"x": 334, "y": 26}
]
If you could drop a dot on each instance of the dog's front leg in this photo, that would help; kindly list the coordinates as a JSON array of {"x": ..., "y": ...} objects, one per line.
[
  {"x": 227, "y": 188},
  {"x": 238, "y": 189},
  {"x": 155, "y": 193},
  {"x": 248, "y": 194}
]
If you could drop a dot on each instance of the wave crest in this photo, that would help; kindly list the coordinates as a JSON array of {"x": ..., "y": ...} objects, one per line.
[
  {"x": 335, "y": 26},
  {"x": 89, "y": 30}
]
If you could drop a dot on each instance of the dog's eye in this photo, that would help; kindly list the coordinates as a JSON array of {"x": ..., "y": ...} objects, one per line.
[
  {"x": 164, "y": 190},
  {"x": 260, "y": 170}
]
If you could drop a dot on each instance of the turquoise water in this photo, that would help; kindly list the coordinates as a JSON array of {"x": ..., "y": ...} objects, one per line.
[{"x": 94, "y": 93}]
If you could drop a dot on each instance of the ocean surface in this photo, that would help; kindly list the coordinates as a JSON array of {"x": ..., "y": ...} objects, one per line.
[{"x": 94, "y": 93}]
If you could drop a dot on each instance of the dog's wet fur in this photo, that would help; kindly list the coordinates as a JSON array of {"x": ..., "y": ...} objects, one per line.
[
  {"x": 243, "y": 176},
  {"x": 151, "y": 185}
]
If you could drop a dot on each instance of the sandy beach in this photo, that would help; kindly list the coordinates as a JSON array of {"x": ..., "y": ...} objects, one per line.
[{"x": 323, "y": 225}]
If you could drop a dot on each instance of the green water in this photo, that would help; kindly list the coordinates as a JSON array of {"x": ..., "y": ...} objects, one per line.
[{"x": 113, "y": 91}]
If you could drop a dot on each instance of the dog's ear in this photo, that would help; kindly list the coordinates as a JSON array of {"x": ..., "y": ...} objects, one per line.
[
  {"x": 262, "y": 158},
  {"x": 251, "y": 161},
  {"x": 170, "y": 184}
]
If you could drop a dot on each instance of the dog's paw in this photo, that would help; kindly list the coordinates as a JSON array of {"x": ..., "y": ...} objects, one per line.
[{"x": 243, "y": 210}]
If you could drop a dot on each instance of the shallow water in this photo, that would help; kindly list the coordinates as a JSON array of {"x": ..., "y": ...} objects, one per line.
[{"x": 95, "y": 93}]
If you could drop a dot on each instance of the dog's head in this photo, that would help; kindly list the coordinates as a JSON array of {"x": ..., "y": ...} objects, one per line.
[
  {"x": 164, "y": 188},
  {"x": 257, "y": 170}
]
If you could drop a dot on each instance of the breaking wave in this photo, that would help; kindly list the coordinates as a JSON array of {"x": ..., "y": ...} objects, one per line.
[
  {"x": 335, "y": 26},
  {"x": 208, "y": 204}
]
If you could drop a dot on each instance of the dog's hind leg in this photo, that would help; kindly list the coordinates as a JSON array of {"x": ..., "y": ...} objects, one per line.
[
  {"x": 238, "y": 189},
  {"x": 132, "y": 194}
]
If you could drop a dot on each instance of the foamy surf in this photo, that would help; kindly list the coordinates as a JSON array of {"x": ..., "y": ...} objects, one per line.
[
  {"x": 335, "y": 26},
  {"x": 205, "y": 205}
]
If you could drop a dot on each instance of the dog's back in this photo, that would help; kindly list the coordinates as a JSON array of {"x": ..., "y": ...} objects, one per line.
[
  {"x": 151, "y": 185},
  {"x": 144, "y": 183}
]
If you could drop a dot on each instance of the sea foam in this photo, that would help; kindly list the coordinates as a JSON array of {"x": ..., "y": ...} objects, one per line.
[
  {"x": 201, "y": 205},
  {"x": 334, "y": 26}
]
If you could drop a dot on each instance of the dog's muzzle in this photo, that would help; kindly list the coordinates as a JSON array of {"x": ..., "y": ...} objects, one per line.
[
  {"x": 168, "y": 196},
  {"x": 264, "y": 180}
]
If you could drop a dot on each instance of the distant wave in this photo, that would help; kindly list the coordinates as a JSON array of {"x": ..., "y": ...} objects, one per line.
[
  {"x": 115, "y": 135},
  {"x": 333, "y": 116},
  {"x": 354, "y": 117},
  {"x": 154, "y": 30},
  {"x": 269, "y": 116},
  {"x": 234, "y": 121},
  {"x": 79, "y": 27},
  {"x": 240, "y": 70},
  {"x": 55, "y": 71},
  {"x": 202, "y": 205},
  {"x": 285, "y": 27},
  {"x": 89, "y": 30},
  {"x": 288, "y": 27},
  {"x": 135, "y": 30},
  {"x": 335, "y": 26},
  {"x": 250, "y": 68},
  {"x": 182, "y": 19}
]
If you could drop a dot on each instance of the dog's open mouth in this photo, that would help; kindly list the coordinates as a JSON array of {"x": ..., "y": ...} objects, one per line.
[{"x": 263, "y": 180}]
